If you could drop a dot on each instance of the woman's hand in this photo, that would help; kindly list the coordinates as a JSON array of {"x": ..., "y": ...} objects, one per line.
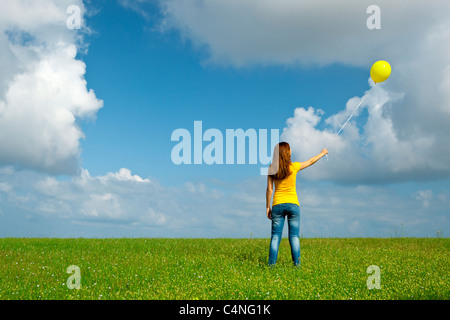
[
  {"x": 269, "y": 213},
  {"x": 306, "y": 164}
]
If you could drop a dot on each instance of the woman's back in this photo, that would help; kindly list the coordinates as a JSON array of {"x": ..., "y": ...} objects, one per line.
[
  {"x": 285, "y": 189},
  {"x": 285, "y": 202}
]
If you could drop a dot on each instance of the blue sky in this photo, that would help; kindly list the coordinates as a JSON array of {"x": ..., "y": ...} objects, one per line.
[
  {"x": 154, "y": 83},
  {"x": 87, "y": 115}
]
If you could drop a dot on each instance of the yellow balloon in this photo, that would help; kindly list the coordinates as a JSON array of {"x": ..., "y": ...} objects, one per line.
[{"x": 380, "y": 71}]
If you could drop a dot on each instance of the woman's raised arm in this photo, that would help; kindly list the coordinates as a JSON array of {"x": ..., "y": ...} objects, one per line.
[{"x": 313, "y": 160}]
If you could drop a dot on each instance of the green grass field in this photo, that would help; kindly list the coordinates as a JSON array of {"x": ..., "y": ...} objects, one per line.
[{"x": 411, "y": 268}]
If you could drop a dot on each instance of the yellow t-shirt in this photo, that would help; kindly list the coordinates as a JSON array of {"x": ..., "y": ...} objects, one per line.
[{"x": 285, "y": 191}]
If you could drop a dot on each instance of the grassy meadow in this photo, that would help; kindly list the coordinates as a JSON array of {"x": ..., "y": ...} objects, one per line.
[{"x": 411, "y": 268}]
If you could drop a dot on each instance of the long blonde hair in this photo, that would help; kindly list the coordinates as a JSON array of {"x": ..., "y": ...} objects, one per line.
[{"x": 279, "y": 168}]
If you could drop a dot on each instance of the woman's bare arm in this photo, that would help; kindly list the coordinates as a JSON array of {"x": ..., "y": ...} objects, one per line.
[
  {"x": 313, "y": 160},
  {"x": 269, "y": 192}
]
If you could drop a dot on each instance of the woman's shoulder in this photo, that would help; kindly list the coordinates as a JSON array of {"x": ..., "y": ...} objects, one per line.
[{"x": 296, "y": 165}]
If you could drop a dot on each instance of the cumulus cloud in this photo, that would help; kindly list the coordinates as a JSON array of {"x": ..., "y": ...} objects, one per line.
[
  {"x": 408, "y": 117},
  {"x": 366, "y": 151},
  {"x": 107, "y": 205},
  {"x": 115, "y": 196},
  {"x": 42, "y": 87},
  {"x": 425, "y": 196},
  {"x": 399, "y": 133},
  {"x": 124, "y": 174},
  {"x": 343, "y": 210},
  {"x": 125, "y": 200},
  {"x": 307, "y": 32}
]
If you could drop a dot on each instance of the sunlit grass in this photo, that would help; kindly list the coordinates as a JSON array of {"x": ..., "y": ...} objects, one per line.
[{"x": 411, "y": 268}]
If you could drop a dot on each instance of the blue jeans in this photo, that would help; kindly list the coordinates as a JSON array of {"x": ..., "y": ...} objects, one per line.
[{"x": 279, "y": 212}]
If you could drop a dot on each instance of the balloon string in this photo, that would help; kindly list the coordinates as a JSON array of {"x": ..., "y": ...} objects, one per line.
[
  {"x": 349, "y": 119},
  {"x": 351, "y": 115}
]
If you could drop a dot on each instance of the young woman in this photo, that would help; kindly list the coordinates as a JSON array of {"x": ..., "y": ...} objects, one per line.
[{"x": 285, "y": 203}]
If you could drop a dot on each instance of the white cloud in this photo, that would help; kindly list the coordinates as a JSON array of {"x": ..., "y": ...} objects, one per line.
[
  {"x": 119, "y": 199},
  {"x": 153, "y": 217},
  {"x": 308, "y": 32},
  {"x": 109, "y": 197},
  {"x": 404, "y": 136},
  {"x": 5, "y": 187},
  {"x": 408, "y": 116},
  {"x": 368, "y": 151},
  {"x": 370, "y": 211},
  {"x": 138, "y": 205},
  {"x": 43, "y": 91},
  {"x": 424, "y": 196},
  {"x": 124, "y": 174},
  {"x": 136, "y": 5},
  {"x": 105, "y": 207}
]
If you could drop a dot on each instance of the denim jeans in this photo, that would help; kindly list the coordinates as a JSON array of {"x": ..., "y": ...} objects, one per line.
[{"x": 279, "y": 212}]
